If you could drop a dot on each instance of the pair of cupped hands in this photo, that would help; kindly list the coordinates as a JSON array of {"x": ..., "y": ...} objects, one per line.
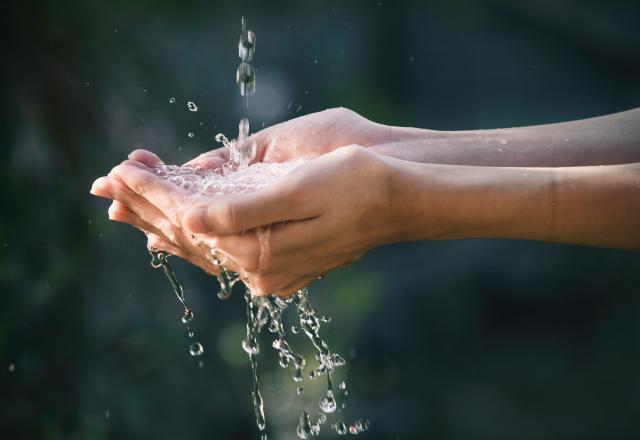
[{"x": 322, "y": 215}]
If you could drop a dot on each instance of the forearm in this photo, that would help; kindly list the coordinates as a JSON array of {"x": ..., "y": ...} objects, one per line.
[
  {"x": 606, "y": 140},
  {"x": 598, "y": 206}
]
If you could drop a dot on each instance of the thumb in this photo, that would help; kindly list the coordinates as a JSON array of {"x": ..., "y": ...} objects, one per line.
[{"x": 241, "y": 212}]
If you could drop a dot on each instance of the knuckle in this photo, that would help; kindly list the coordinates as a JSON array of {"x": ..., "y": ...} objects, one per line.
[
  {"x": 351, "y": 152},
  {"x": 341, "y": 112}
]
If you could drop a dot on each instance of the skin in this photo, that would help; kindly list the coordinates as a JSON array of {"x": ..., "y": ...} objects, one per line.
[{"x": 369, "y": 184}]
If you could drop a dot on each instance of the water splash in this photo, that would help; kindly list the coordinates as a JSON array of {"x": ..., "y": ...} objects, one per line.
[
  {"x": 159, "y": 259},
  {"x": 238, "y": 176},
  {"x": 261, "y": 311}
]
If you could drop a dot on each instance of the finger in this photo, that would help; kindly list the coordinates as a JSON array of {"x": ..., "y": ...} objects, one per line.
[
  {"x": 142, "y": 208},
  {"x": 120, "y": 213},
  {"x": 155, "y": 241},
  {"x": 211, "y": 159},
  {"x": 279, "y": 241},
  {"x": 242, "y": 249},
  {"x": 294, "y": 287},
  {"x": 146, "y": 157},
  {"x": 277, "y": 285},
  {"x": 101, "y": 188},
  {"x": 165, "y": 196},
  {"x": 234, "y": 214}
]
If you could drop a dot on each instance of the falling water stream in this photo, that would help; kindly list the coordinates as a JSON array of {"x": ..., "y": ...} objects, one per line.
[{"x": 237, "y": 176}]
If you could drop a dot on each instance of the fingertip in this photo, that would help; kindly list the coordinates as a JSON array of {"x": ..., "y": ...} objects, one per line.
[
  {"x": 134, "y": 175},
  {"x": 119, "y": 212},
  {"x": 101, "y": 188},
  {"x": 195, "y": 220},
  {"x": 153, "y": 241},
  {"x": 209, "y": 163},
  {"x": 219, "y": 156},
  {"x": 145, "y": 157}
]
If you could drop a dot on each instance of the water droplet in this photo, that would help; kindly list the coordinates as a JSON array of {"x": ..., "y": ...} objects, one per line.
[
  {"x": 299, "y": 390},
  {"x": 322, "y": 417},
  {"x": 192, "y": 106},
  {"x": 187, "y": 317},
  {"x": 191, "y": 334},
  {"x": 250, "y": 347},
  {"x": 246, "y": 45},
  {"x": 172, "y": 100},
  {"x": 246, "y": 79},
  {"x": 224, "y": 294},
  {"x": 107, "y": 414},
  {"x": 196, "y": 349},
  {"x": 190, "y": 134},
  {"x": 299, "y": 108},
  {"x": 200, "y": 364},
  {"x": 304, "y": 429},
  {"x": 340, "y": 428},
  {"x": 328, "y": 403},
  {"x": 343, "y": 385},
  {"x": 11, "y": 368},
  {"x": 294, "y": 330}
]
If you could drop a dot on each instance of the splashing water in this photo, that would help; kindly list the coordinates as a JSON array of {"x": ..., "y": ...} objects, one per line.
[
  {"x": 234, "y": 177},
  {"x": 261, "y": 311},
  {"x": 159, "y": 260}
]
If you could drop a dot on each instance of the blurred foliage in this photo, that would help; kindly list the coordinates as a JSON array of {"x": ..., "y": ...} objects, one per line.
[{"x": 456, "y": 340}]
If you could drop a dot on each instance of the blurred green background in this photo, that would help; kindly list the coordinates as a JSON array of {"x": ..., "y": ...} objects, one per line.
[{"x": 480, "y": 339}]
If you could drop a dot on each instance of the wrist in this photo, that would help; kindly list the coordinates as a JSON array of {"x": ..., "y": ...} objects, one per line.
[{"x": 440, "y": 202}]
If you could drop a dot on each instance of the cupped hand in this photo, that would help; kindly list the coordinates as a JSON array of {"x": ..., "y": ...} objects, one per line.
[
  {"x": 323, "y": 215},
  {"x": 308, "y": 136},
  {"x": 158, "y": 217}
]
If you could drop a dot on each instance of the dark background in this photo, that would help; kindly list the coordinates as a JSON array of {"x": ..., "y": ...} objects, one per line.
[{"x": 450, "y": 340}]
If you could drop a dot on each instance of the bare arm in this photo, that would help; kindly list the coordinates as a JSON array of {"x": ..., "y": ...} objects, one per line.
[
  {"x": 605, "y": 140},
  {"x": 595, "y": 205}
]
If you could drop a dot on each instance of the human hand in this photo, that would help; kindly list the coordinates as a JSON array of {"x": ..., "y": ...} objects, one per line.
[
  {"x": 159, "y": 223},
  {"x": 306, "y": 137},
  {"x": 323, "y": 215}
]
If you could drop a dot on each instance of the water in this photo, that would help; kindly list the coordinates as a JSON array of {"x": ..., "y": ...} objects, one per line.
[
  {"x": 246, "y": 43},
  {"x": 238, "y": 176},
  {"x": 196, "y": 349},
  {"x": 305, "y": 428},
  {"x": 246, "y": 73},
  {"x": 262, "y": 312},
  {"x": 159, "y": 259},
  {"x": 246, "y": 79}
]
